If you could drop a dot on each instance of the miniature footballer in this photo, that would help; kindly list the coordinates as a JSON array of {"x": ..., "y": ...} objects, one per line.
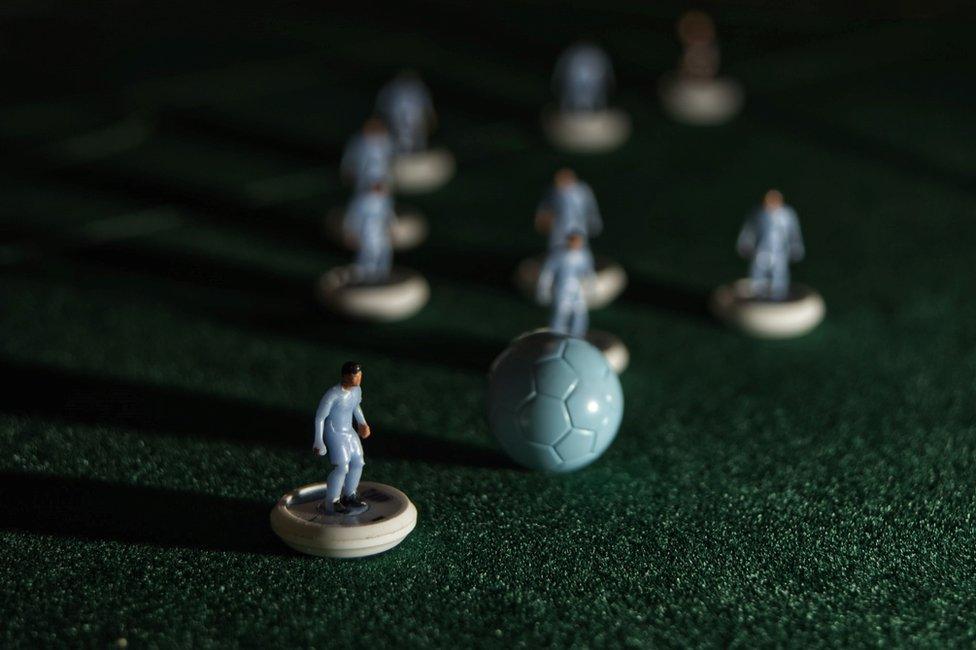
[
  {"x": 566, "y": 271},
  {"x": 368, "y": 225},
  {"x": 583, "y": 121},
  {"x": 368, "y": 156},
  {"x": 406, "y": 106},
  {"x": 766, "y": 304},
  {"x": 370, "y": 288},
  {"x": 694, "y": 93},
  {"x": 570, "y": 206},
  {"x": 554, "y": 403},
  {"x": 343, "y": 517}
]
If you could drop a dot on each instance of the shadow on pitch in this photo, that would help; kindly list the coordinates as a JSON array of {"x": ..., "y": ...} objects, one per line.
[
  {"x": 102, "y": 511},
  {"x": 274, "y": 304},
  {"x": 681, "y": 300},
  {"x": 81, "y": 398}
]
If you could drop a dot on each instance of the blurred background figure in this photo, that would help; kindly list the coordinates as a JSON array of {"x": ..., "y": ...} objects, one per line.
[
  {"x": 368, "y": 157},
  {"x": 583, "y": 122},
  {"x": 700, "y": 56},
  {"x": 771, "y": 239},
  {"x": 567, "y": 268},
  {"x": 694, "y": 93},
  {"x": 583, "y": 78},
  {"x": 405, "y": 104},
  {"x": 569, "y": 206},
  {"x": 368, "y": 223}
]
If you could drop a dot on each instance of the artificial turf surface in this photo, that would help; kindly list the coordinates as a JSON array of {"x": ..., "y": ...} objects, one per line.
[{"x": 165, "y": 172}]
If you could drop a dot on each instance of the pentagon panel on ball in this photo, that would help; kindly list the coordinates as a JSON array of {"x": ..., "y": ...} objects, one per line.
[{"x": 554, "y": 403}]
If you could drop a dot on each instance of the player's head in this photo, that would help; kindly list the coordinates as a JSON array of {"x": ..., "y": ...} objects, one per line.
[
  {"x": 575, "y": 240},
  {"x": 374, "y": 126},
  {"x": 564, "y": 177},
  {"x": 352, "y": 373},
  {"x": 696, "y": 28},
  {"x": 773, "y": 200}
]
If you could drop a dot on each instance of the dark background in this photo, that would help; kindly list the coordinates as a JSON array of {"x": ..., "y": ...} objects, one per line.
[{"x": 164, "y": 172}]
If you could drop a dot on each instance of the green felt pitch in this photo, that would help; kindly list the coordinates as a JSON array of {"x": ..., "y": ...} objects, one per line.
[{"x": 162, "y": 352}]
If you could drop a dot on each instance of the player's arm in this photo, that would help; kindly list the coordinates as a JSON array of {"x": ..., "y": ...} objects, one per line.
[
  {"x": 325, "y": 407},
  {"x": 361, "y": 425},
  {"x": 543, "y": 286},
  {"x": 797, "y": 250},
  {"x": 746, "y": 243},
  {"x": 594, "y": 222}
]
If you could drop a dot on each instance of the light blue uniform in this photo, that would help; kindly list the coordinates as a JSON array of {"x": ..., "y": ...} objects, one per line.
[
  {"x": 561, "y": 279},
  {"x": 583, "y": 78},
  {"x": 405, "y": 105},
  {"x": 574, "y": 208},
  {"x": 368, "y": 220},
  {"x": 333, "y": 420},
  {"x": 368, "y": 159},
  {"x": 772, "y": 239}
]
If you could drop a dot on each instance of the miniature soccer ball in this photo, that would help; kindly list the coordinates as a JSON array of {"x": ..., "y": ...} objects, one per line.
[{"x": 554, "y": 403}]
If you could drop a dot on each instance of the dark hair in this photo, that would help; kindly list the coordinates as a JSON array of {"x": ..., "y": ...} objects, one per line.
[{"x": 350, "y": 368}]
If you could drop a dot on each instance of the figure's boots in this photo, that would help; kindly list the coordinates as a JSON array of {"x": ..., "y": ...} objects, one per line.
[
  {"x": 337, "y": 507},
  {"x": 352, "y": 501}
]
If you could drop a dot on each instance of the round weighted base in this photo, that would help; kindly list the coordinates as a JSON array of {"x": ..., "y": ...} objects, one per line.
[
  {"x": 770, "y": 319},
  {"x": 611, "y": 279},
  {"x": 400, "y": 296},
  {"x": 587, "y": 131},
  {"x": 300, "y": 521},
  {"x": 409, "y": 228},
  {"x": 701, "y": 102},
  {"x": 424, "y": 171},
  {"x": 617, "y": 354}
]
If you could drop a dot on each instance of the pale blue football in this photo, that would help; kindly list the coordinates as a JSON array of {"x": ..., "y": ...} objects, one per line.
[{"x": 554, "y": 403}]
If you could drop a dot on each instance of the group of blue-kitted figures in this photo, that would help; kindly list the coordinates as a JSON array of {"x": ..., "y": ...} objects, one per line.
[
  {"x": 770, "y": 237},
  {"x": 405, "y": 118}
]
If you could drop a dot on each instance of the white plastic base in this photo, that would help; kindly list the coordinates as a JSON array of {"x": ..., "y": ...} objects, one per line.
[
  {"x": 701, "y": 102},
  {"x": 300, "y": 522},
  {"x": 587, "y": 132},
  {"x": 423, "y": 171},
  {"x": 617, "y": 354},
  {"x": 409, "y": 229},
  {"x": 737, "y": 305},
  {"x": 611, "y": 279},
  {"x": 402, "y": 296}
]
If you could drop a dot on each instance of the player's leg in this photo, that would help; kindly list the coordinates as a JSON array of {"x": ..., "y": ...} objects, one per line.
[
  {"x": 779, "y": 281},
  {"x": 580, "y": 318},
  {"x": 350, "y": 496},
  {"x": 759, "y": 274},
  {"x": 562, "y": 311},
  {"x": 339, "y": 457}
]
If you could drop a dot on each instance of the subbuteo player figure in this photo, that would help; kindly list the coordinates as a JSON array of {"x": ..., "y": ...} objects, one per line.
[
  {"x": 368, "y": 156},
  {"x": 771, "y": 239},
  {"x": 339, "y": 423},
  {"x": 561, "y": 282},
  {"x": 405, "y": 105},
  {"x": 367, "y": 226},
  {"x": 583, "y": 79},
  {"x": 570, "y": 206}
]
